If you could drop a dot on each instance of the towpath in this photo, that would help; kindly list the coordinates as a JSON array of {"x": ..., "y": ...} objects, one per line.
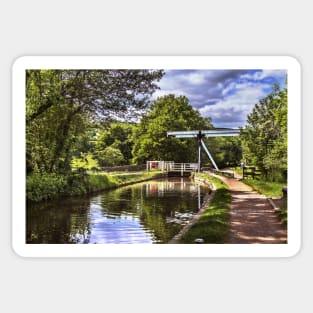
[{"x": 252, "y": 218}]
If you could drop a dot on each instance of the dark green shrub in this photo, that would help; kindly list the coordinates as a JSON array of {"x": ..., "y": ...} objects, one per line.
[{"x": 43, "y": 187}]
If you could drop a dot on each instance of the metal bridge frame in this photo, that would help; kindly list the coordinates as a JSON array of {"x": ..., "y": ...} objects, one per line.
[{"x": 199, "y": 135}]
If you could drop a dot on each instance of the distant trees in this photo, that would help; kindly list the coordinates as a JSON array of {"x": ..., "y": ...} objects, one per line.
[
  {"x": 117, "y": 136},
  {"x": 265, "y": 135},
  {"x": 61, "y": 106},
  {"x": 110, "y": 156},
  {"x": 226, "y": 151}
]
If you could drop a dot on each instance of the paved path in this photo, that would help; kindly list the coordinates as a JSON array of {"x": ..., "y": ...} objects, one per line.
[{"x": 252, "y": 218}]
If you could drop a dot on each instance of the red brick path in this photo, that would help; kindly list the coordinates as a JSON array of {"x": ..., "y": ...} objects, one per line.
[{"x": 252, "y": 218}]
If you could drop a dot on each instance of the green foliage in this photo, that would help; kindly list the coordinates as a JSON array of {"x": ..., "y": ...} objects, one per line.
[
  {"x": 117, "y": 136},
  {"x": 283, "y": 216},
  {"x": 100, "y": 181},
  {"x": 110, "y": 157},
  {"x": 62, "y": 105},
  {"x": 85, "y": 161},
  {"x": 265, "y": 136},
  {"x": 102, "y": 93},
  {"x": 44, "y": 187},
  {"x": 167, "y": 113},
  {"x": 41, "y": 187},
  {"x": 226, "y": 151},
  {"x": 213, "y": 225},
  {"x": 48, "y": 186}
]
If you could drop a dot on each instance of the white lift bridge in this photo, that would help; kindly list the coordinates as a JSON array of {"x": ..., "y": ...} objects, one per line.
[{"x": 199, "y": 135}]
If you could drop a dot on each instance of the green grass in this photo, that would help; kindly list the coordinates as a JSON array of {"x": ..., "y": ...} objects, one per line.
[
  {"x": 269, "y": 189},
  {"x": 121, "y": 178},
  {"x": 213, "y": 225},
  {"x": 237, "y": 170},
  {"x": 283, "y": 215},
  {"x": 86, "y": 161}
]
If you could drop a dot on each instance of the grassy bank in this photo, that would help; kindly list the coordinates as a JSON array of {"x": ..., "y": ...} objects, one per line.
[
  {"x": 269, "y": 189},
  {"x": 213, "y": 225},
  {"x": 49, "y": 186}
]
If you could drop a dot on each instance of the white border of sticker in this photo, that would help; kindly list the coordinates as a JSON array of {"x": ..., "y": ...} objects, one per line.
[{"x": 156, "y": 62}]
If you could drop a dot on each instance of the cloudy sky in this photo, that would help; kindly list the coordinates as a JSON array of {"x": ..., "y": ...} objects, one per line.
[{"x": 227, "y": 96}]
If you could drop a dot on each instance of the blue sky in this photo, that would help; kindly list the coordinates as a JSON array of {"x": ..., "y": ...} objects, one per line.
[{"x": 227, "y": 96}]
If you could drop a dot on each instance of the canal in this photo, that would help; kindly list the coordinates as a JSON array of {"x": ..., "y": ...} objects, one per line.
[{"x": 149, "y": 212}]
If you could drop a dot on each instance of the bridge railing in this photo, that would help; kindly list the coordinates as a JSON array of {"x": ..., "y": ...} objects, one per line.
[
  {"x": 157, "y": 165},
  {"x": 170, "y": 166},
  {"x": 181, "y": 167}
]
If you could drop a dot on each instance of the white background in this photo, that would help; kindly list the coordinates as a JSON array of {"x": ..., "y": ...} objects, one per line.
[{"x": 155, "y": 28}]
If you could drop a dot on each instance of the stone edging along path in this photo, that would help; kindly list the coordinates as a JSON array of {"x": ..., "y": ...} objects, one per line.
[{"x": 252, "y": 217}]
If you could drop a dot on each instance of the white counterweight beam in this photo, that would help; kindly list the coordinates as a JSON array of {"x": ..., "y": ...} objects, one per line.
[
  {"x": 204, "y": 133},
  {"x": 199, "y": 134}
]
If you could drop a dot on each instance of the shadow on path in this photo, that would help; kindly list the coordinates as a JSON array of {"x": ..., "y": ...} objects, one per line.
[{"x": 252, "y": 218}]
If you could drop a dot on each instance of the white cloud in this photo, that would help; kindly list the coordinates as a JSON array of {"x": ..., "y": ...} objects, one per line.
[
  {"x": 196, "y": 78},
  {"x": 227, "y": 96},
  {"x": 236, "y": 106},
  {"x": 259, "y": 75}
]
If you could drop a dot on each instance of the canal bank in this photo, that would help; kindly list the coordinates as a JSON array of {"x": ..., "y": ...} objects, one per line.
[
  {"x": 206, "y": 203},
  {"x": 212, "y": 222},
  {"x": 53, "y": 186}
]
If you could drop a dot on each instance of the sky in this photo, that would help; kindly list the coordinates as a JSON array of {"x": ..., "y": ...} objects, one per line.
[{"x": 226, "y": 96}]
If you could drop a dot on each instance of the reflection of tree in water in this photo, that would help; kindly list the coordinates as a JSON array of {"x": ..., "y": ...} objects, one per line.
[
  {"x": 61, "y": 221},
  {"x": 163, "y": 207},
  {"x": 160, "y": 208}
]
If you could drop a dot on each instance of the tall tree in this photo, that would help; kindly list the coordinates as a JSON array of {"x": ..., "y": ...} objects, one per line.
[
  {"x": 168, "y": 113},
  {"x": 103, "y": 93},
  {"x": 60, "y": 103},
  {"x": 265, "y": 135}
]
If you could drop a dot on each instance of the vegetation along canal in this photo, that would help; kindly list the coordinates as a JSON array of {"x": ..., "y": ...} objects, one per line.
[{"x": 149, "y": 212}]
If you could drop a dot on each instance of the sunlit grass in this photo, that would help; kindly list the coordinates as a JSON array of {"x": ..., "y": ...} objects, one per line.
[
  {"x": 269, "y": 189},
  {"x": 213, "y": 225},
  {"x": 86, "y": 161},
  {"x": 129, "y": 177}
]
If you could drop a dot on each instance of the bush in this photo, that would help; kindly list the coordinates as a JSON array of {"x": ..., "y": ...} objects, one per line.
[
  {"x": 43, "y": 187},
  {"x": 47, "y": 186},
  {"x": 76, "y": 183},
  {"x": 98, "y": 182}
]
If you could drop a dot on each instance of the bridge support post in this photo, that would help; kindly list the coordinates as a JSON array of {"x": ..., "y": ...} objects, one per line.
[{"x": 199, "y": 152}]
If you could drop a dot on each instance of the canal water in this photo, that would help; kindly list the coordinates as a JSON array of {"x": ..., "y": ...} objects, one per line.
[{"x": 149, "y": 212}]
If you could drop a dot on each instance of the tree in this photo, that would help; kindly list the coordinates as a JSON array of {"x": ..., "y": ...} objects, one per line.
[
  {"x": 226, "y": 151},
  {"x": 110, "y": 157},
  {"x": 168, "y": 113},
  {"x": 119, "y": 136},
  {"x": 265, "y": 135},
  {"x": 60, "y": 104},
  {"x": 106, "y": 94}
]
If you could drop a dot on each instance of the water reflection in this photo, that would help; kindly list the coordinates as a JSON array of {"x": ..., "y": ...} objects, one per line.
[{"x": 149, "y": 212}]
